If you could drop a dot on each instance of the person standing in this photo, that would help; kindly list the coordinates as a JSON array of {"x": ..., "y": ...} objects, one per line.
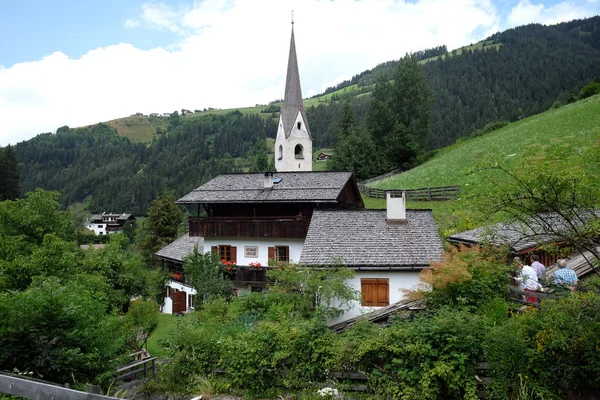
[
  {"x": 540, "y": 269},
  {"x": 565, "y": 277},
  {"x": 527, "y": 279}
]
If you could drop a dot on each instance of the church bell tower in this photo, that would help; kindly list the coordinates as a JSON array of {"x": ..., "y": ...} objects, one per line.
[{"x": 293, "y": 145}]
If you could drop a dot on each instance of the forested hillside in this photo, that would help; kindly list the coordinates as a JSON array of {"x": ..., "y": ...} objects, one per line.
[
  {"x": 121, "y": 176},
  {"x": 516, "y": 73},
  {"x": 512, "y": 74}
]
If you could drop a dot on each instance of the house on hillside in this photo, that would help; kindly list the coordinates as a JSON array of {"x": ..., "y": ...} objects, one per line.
[
  {"x": 254, "y": 218},
  {"x": 315, "y": 218},
  {"x": 106, "y": 223},
  {"x": 324, "y": 157}
]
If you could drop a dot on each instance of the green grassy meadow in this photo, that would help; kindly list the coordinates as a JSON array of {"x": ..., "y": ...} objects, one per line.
[
  {"x": 167, "y": 324},
  {"x": 577, "y": 124}
]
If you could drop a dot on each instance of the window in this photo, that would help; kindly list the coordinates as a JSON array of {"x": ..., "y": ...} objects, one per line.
[
  {"x": 375, "y": 292},
  {"x": 298, "y": 151},
  {"x": 299, "y": 125},
  {"x": 280, "y": 157},
  {"x": 226, "y": 252},
  {"x": 279, "y": 253}
]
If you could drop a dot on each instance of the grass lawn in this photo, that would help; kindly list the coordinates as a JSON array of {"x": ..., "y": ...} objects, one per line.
[
  {"x": 167, "y": 324},
  {"x": 577, "y": 124}
]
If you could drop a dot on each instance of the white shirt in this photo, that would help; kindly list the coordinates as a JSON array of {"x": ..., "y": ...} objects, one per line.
[{"x": 527, "y": 279}]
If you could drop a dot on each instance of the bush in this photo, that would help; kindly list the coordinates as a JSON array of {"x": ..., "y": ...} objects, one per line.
[
  {"x": 430, "y": 357},
  {"x": 549, "y": 351},
  {"x": 465, "y": 277},
  {"x": 591, "y": 89}
]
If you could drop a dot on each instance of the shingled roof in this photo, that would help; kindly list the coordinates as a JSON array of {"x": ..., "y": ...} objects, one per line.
[
  {"x": 519, "y": 236},
  {"x": 363, "y": 239},
  {"x": 292, "y": 100},
  {"x": 180, "y": 248},
  {"x": 310, "y": 187}
]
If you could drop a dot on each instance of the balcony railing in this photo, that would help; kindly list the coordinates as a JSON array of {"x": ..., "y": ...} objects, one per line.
[
  {"x": 250, "y": 275},
  {"x": 243, "y": 275},
  {"x": 271, "y": 227}
]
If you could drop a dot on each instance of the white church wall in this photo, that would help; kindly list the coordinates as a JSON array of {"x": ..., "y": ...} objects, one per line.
[{"x": 298, "y": 136}]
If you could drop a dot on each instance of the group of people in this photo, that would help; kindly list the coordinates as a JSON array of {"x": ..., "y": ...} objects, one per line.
[{"x": 529, "y": 276}]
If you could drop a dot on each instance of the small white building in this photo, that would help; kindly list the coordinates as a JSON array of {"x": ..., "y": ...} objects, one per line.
[{"x": 106, "y": 223}]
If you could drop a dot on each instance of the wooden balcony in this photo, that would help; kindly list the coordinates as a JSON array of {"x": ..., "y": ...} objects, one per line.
[
  {"x": 267, "y": 227},
  {"x": 251, "y": 276}
]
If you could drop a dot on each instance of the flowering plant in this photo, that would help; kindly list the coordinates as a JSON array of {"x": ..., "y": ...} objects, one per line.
[
  {"x": 176, "y": 275},
  {"x": 227, "y": 264},
  {"x": 255, "y": 264},
  {"x": 328, "y": 392}
]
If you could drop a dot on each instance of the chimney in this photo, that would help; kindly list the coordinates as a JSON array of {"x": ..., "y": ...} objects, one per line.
[
  {"x": 396, "y": 208},
  {"x": 268, "y": 180}
]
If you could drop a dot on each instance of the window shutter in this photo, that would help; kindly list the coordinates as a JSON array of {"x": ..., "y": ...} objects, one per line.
[
  {"x": 375, "y": 292},
  {"x": 233, "y": 254},
  {"x": 383, "y": 292},
  {"x": 366, "y": 290},
  {"x": 271, "y": 255},
  {"x": 214, "y": 249}
]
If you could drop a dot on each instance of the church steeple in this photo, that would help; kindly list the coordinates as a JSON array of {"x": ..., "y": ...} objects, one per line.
[
  {"x": 293, "y": 146},
  {"x": 292, "y": 101}
]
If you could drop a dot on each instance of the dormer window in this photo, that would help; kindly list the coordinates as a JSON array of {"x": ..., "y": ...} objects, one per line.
[
  {"x": 299, "y": 125},
  {"x": 280, "y": 156},
  {"x": 298, "y": 152}
]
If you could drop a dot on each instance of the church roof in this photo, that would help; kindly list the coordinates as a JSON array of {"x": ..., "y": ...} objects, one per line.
[
  {"x": 306, "y": 187},
  {"x": 292, "y": 101},
  {"x": 364, "y": 239}
]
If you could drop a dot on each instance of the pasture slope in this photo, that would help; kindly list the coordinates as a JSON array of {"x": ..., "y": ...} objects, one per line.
[{"x": 577, "y": 124}]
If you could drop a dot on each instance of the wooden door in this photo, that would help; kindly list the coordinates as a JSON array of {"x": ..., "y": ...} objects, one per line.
[{"x": 179, "y": 302}]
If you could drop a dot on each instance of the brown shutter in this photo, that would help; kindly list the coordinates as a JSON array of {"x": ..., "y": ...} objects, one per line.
[
  {"x": 383, "y": 292},
  {"x": 233, "y": 254},
  {"x": 366, "y": 290},
  {"x": 272, "y": 254},
  {"x": 214, "y": 249}
]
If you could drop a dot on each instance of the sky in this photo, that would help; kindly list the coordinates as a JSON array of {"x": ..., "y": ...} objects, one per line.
[{"x": 76, "y": 63}]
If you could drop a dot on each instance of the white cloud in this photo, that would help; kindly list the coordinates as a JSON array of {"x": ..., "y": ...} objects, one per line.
[
  {"x": 132, "y": 23},
  {"x": 525, "y": 13},
  {"x": 230, "y": 54},
  {"x": 161, "y": 16}
]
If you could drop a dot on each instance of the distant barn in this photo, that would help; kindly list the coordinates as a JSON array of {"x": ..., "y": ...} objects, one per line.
[{"x": 324, "y": 156}]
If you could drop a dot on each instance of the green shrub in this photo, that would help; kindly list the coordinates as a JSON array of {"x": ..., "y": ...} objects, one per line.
[
  {"x": 465, "y": 277},
  {"x": 589, "y": 90},
  {"x": 553, "y": 349},
  {"x": 430, "y": 357}
]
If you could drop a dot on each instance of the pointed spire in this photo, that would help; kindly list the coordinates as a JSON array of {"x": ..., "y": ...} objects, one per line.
[{"x": 292, "y": 101}]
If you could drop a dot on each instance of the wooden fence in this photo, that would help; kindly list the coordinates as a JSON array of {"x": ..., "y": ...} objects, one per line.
[
  {"x": 440, "y": 193},
  {"x": 34, "y": 389},
  {"x": 520, "y": 296},
  {"x": 380, "y": 177}
]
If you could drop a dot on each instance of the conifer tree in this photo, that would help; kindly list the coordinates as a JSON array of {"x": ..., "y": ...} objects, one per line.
[{"x": 9, "y": 174}]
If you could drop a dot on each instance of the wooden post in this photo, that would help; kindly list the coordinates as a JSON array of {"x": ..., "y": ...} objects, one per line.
[{"x": 93, "y": 388}]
